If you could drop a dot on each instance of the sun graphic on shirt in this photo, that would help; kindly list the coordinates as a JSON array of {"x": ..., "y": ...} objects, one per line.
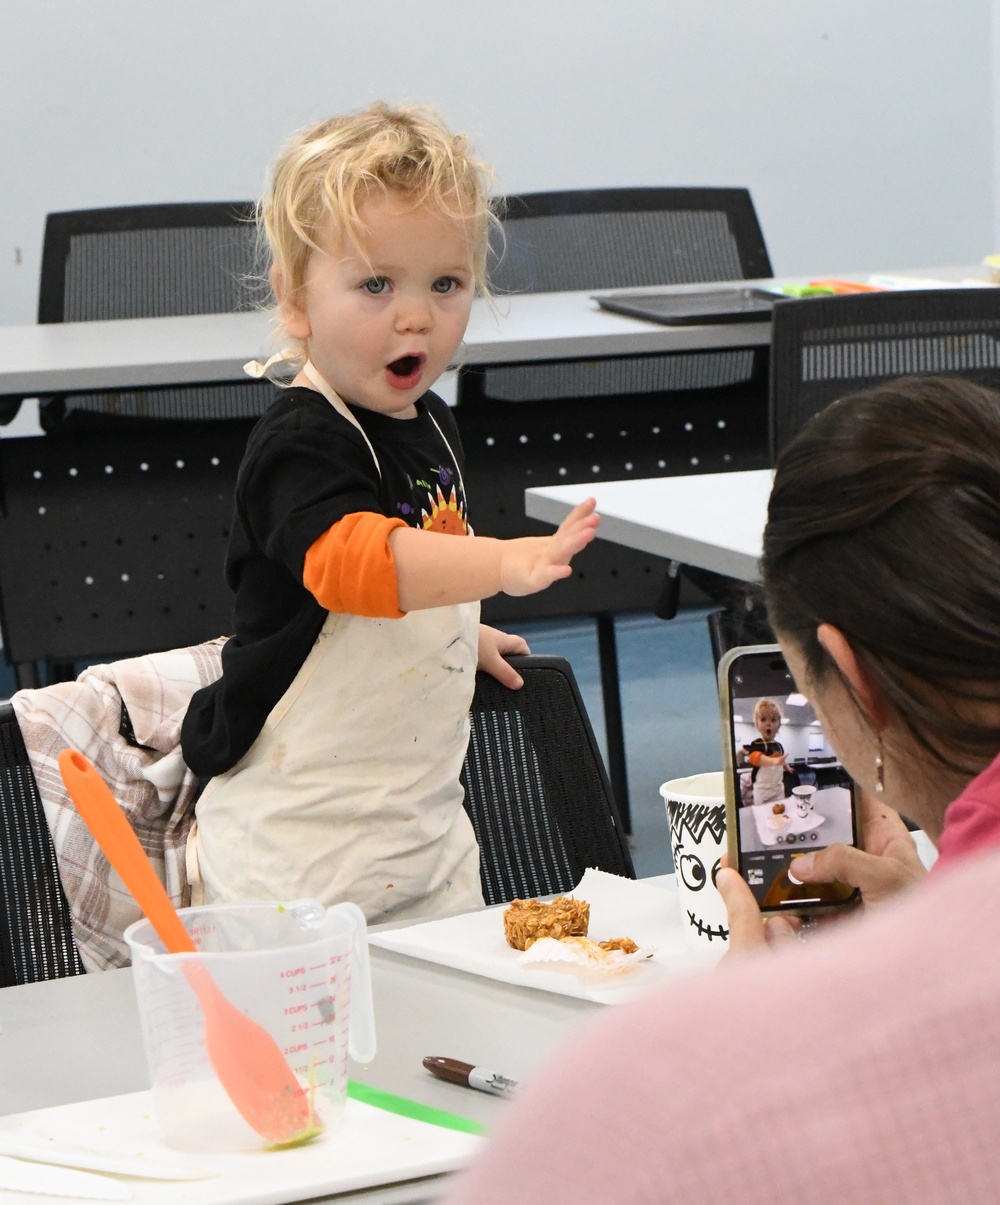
[{"x": 445, "y": 514}]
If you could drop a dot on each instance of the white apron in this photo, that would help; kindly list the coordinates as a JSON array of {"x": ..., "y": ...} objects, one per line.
[
  {"x": 769, "y": 785},
  {"x": 351, "y": 791}
]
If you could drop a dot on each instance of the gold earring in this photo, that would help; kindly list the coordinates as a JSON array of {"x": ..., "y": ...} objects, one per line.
[{"x": 880, "y": 768}]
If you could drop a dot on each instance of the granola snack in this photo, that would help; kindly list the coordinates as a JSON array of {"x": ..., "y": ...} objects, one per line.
[
  {"x": 525, "y": 921},
  {"x": 625, "y": 944}
]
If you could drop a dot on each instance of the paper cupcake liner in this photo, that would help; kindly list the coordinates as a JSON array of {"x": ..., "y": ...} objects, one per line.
[{"x": 580, "y": 954}]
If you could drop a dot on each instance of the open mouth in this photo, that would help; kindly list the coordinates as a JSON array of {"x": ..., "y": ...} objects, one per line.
[{"x": 405, "y": 372}]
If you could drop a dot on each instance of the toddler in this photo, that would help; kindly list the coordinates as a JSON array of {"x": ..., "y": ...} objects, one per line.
[
  {"x": 766, "y": 755},
  {"x": 334, "y": 739}
]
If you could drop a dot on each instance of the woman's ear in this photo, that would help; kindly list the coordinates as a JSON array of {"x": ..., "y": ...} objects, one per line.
[
  {"x": 862, "y": 685},
  {"x": 291, "y": 306}
]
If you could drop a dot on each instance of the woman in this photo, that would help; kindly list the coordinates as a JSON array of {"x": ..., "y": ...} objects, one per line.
[{"x": 863, "y": 1066}]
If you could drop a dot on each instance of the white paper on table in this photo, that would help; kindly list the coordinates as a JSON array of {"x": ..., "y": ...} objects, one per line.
[
  {"x": 769, "y": 830},
  {"x": 619, "y": 907},
  {"x": 368, "y": 1147}
]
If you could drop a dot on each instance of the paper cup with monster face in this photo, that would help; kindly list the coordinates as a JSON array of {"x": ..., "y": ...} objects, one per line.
[
  {"x": 803, "y": 800},
  {"x": 696, "y": 813}
]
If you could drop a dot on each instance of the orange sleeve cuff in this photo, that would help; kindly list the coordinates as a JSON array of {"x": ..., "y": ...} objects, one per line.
[
  {"x": 350, "y": 569},
  {"x": 754, "y": 758}
]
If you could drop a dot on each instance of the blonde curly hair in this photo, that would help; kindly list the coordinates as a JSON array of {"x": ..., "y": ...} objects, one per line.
[{"x": 326, "y": 172}]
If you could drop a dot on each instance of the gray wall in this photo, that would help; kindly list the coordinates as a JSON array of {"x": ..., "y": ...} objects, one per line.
[{"x": 864, "y": 128}]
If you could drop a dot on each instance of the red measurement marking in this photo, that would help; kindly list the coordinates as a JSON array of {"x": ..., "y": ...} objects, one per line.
[
  {"x": 296, "y": 1008},
  {"x": 296, "y": 987},
  {"x": 296, "y": 1049},
  {"x": 292, "y": 973}
]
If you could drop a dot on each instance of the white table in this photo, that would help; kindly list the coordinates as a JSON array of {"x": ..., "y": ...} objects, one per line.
[
  {"x": 77, "y": 1039},
  {"x": 214, "y": 347},
  {"x": 714, "y": 521}
]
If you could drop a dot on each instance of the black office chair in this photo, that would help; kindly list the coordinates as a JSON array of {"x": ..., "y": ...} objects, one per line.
[
  {"x": 742, "y": 621},
  {"x": 547, "y": 423},
  {"x": 36, "y": 935},
  {"x": 535, "y": 787},
  {"x": 825, "y": 347},
  {"x": 114, "y": 525},
  {"x": 536, "y": 792}
]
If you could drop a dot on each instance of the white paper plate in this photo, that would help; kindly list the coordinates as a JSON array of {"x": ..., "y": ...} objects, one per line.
[{"x": 651, "y": 916}]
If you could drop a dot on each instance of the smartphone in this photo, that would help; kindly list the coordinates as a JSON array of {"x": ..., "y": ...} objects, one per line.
[{"x": 786, "y": 792}]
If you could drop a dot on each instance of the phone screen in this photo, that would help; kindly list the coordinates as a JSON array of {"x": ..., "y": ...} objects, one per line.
[{"x": 792, "y": 794}]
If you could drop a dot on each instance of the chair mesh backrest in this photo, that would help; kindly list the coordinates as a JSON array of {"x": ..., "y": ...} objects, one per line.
[
  {"x": 157, "y": 273},
  {"x": 621, "y": 238},
  {"x": 824, "y": 348},
  {"x": 616, "y": 250},
  {"x": 535, "y": 787},
  {"x": 153, "y": 261},
  {"x": 148, "y": 261},
  {"x": 36, "y": 936}
]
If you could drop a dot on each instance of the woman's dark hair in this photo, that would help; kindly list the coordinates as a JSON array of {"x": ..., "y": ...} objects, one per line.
[{"x": 885, "y": 522}]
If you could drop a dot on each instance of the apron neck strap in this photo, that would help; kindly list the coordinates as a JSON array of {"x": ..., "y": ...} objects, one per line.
[{"x": 310, "y": 371}]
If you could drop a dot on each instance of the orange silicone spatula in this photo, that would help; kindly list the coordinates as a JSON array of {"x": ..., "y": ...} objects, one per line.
[{"x": 245, "y": 1057}]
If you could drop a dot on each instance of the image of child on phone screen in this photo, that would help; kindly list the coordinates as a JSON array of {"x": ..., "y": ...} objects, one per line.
[{"x": 767, "y": 755}]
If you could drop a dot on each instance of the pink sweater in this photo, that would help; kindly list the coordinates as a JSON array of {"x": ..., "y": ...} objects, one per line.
[
  {"x": 861, "y": 1067},
  {"x": 972, "y": 822}
]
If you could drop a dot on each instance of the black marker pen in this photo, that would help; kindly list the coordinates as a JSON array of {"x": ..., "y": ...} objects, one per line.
[{"x": 469, "y": 1076}]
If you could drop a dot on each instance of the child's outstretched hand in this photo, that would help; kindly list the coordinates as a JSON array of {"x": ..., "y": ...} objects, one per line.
[{"x": 532, "y": 563}]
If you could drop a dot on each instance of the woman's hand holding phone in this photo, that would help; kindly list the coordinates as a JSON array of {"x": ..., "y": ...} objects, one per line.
[
  {"x": 749, "y": 929},
  {"x": 887, "y": 865}
]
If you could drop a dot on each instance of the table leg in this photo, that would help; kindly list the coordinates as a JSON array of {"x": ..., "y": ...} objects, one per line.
[{"x": 607, "y": 649}]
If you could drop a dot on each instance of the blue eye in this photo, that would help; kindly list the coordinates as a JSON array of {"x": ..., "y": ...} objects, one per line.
[
  {"x": 445, "y": 284},
  {"x": 376, "y": 286}
]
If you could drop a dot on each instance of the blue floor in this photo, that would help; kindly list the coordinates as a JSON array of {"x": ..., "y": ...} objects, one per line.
[{"x": 669, "y": 702}]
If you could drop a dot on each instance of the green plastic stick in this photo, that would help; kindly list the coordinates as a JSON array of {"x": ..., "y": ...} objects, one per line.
[{"x": 411, "y": 1108}]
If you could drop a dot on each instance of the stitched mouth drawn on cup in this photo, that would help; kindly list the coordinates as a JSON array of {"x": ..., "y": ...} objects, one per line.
[{"x": 707, "y": 930}]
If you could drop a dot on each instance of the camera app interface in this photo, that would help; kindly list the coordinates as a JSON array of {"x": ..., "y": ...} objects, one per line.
[{"x": 793, "y": 796}]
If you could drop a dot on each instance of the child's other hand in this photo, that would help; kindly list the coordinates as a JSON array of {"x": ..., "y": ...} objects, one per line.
[
  {"x": 493, "y": 647},
  {"x": 532, "y": 563}
]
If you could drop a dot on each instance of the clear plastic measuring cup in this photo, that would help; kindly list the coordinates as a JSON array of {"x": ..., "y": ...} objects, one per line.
[{"x": 299, "y": 969}]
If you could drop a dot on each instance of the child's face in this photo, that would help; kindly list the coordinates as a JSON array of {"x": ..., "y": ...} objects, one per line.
[
  {"x": 768, "y": 723},
  {"x": 382, "y": 322}
]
